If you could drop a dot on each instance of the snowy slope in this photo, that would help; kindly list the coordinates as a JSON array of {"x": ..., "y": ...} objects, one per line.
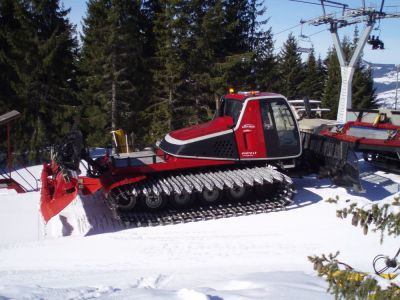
[
  {"x": 385, "y": 77},
  {"x": 84, "y": 255}
]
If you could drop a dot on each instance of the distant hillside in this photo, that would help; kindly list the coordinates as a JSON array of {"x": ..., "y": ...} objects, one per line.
[{"x": 385, "y": 83}]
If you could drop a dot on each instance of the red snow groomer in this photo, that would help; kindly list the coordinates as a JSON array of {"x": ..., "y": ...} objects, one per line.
[
  {"x": 231, "y": 165},
  {"x": 375, "y": 133}
]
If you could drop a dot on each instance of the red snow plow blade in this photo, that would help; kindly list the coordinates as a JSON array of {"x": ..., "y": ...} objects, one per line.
[{"x": 59, "y": 188}]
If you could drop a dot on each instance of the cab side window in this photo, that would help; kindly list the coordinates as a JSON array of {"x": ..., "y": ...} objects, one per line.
[
  {"x": 283, "y": 117},
  {"x": 231, "y": 108}
]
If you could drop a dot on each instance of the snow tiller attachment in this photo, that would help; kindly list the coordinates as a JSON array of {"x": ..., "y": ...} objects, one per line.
[
  {"x": 236, "y": 164},
  {"x": 60, "y": 177},
  {"x": 331, "y": 158},
  {"x": 375, "y": 133}
]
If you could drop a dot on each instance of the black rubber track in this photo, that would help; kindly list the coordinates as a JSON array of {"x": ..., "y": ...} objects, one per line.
[{"x": 255, "y": 205}]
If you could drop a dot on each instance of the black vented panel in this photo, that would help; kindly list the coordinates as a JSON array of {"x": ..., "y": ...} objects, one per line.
[{"x": 223, "y": 148}]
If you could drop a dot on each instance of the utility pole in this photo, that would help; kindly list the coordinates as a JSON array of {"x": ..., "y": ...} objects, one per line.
[{"x": 397, "y": 85}]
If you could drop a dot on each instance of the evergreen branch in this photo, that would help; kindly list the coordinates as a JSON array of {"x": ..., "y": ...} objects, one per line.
[
  {"x": 350, "y": 284},
  {"x": 384, "y": 218}
]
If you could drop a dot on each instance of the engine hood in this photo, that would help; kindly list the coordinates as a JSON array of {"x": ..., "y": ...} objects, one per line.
[
  {"x": 215, "y": 126},
  {"x": 212, "y": 139}
]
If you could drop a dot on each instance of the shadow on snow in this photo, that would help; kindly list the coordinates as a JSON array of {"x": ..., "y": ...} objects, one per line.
[{"x": 98, "y": 218}]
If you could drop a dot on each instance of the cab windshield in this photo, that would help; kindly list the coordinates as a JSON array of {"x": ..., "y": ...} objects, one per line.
[{"x": 231, "y": 108}]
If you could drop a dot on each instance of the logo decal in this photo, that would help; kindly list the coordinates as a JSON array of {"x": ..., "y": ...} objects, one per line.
[
  {"x": 249, "y": 153},
  {"x": 248, "y": 126}
]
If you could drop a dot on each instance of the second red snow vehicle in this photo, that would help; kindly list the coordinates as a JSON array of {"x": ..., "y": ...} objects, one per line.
[
  {"x": 375, "y": 133},
  {"x": 201, "y": 172}
]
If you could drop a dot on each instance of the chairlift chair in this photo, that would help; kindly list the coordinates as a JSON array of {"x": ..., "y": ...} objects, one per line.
[
  {"x": 375, "y": 41},
  {"x": 305, "y": 44}
]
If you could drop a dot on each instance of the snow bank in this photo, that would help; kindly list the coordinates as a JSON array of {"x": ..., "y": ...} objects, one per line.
[{"x": 83, "y": 254}]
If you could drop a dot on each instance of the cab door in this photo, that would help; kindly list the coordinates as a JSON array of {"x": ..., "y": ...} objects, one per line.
[{"x": 282, "y": 137}]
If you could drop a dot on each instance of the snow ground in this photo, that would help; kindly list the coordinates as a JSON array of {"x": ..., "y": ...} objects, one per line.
[
  {"x": 387, "y": 99},
  {"x": 83, "y": 254}
]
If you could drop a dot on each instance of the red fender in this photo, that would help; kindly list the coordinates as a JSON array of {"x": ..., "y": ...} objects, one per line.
[{"x": 58, "y": 190}]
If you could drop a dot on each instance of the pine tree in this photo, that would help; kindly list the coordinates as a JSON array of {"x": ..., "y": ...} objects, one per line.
[
  {"x": 363, "y": 88},
  {"x": 264, "y": 68},
  {"x": 9, "y": 25},
  {"x": 167, "y": 68},
  {"x": 213, "y": 51},
  {"x": 239, "y": 26},
  {"x": 291, "y": 71},
  {"x": 322, "y": 74},
  {"x": 111, "y": 67},
  {"x": 43, "y": 52},
  {"x": 265, "y": 63},
  {"x": 330, "y": 98},
  {"x": 363, "y": 92},
  {"x": 313, "y": 83}
]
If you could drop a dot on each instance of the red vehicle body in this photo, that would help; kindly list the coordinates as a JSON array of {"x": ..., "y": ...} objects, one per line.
[
  {"x": 230, "y": 155},
  {"x": 250, "y": 127},
  {"x": 374, "y": 133},
  {"x": 368, "y": 136}
]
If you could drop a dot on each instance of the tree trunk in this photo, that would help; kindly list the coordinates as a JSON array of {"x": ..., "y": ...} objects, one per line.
[
  {"x": 216, "y": 99},
  {"x": 170, "y": 110},
  {"x": 113, "y": 97}
]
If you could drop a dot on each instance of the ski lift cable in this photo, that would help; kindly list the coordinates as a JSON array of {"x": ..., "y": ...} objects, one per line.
[
  {"x": 292, "y": 27},
  {"x": 288, "y": 29},
  {"x": 310, "y": 35},
  {"x": 315, "y": 33},
  {"x": 308, "y": 2}
]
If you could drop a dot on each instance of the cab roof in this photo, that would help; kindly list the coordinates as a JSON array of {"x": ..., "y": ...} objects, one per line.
[{"x": 241, "y": 96}]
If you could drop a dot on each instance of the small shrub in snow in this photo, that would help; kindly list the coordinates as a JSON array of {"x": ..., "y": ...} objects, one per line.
[
  {"x": 346, "y": 283},
  {"x": 380, "y": 217}
]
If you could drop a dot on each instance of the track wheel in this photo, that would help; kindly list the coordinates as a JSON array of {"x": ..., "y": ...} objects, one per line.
[
  {"x": 124, "y": 200},
  {"x": 127, "y": 204},
  {"x": 210, "y": 197},
  {"x": 183, "y": 200},
  {"x": 153, "y": 202},
  {"x": 237, "y": 193}
]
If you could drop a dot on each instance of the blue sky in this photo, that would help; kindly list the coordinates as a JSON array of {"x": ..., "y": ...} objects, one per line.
[{"x": 285, "y": 14}]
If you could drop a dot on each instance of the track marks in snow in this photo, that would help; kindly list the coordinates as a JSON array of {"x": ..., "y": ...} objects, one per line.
[{"x": 39, "y": 292}]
